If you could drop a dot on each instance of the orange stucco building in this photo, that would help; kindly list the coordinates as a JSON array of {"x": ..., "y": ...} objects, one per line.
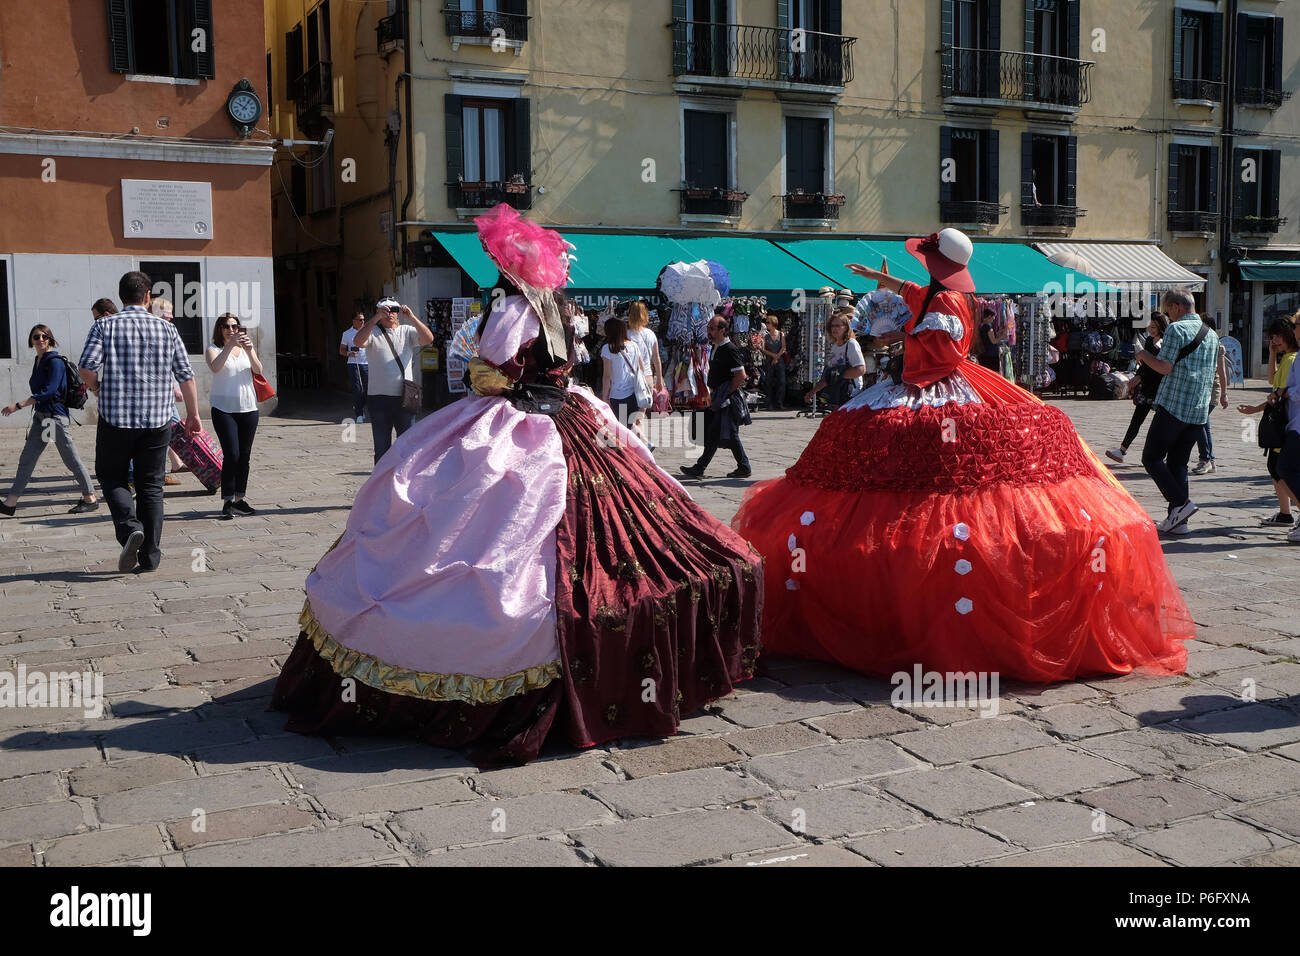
[{"x": 104, "y": 108}]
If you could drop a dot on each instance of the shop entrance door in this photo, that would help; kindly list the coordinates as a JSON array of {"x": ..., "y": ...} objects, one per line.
[{"x": 1241, "y": 311}]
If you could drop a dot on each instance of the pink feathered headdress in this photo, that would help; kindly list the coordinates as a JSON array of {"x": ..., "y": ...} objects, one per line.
[{"x": 527, "y": 253}]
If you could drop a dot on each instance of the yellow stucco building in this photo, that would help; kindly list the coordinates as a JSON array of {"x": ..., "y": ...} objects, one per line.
[{"x": 1101, "y": 132}]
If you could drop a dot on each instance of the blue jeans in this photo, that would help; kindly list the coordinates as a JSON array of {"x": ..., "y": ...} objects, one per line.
[
  {"x": 387, "y": 416},
  {"x": 359, "y": 381},
  {"x": 1205, "y": 441},
  {"x": 1165, "y": 455}
]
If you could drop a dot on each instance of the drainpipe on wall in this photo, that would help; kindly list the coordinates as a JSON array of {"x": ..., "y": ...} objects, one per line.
[
  {"x": 410, "y": 159},
  {"x": 1228, "y": 174}
]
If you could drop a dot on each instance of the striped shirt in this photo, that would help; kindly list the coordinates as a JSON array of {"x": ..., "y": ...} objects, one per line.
[{"x": 136, "y": 355}]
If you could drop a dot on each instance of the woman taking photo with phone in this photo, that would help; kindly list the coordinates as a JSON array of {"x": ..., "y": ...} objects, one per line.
[
  {"x": 233, "y": 362},
  {"x": 49, "y": 424}
]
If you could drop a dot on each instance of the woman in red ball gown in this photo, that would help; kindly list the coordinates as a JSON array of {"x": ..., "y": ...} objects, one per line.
[{"x": 955, "y": 521}]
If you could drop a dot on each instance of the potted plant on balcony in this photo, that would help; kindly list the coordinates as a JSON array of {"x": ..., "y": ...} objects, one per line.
[
  {"x": 734, "y": 195},
  {"x": 695, "y": 192},
  {"x": 472, "y": 187},
  {"x": 516, "y": 184}
]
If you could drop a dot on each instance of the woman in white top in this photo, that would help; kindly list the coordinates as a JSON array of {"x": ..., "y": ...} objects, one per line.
[
  {"x": 234, "y": 409},
  {"x": 639, "y": 331},
  {"x": 624, "y": 363}
]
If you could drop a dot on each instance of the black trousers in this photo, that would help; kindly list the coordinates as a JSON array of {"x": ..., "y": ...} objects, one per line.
[
  {"x": 118, "y": 452},
  {"x": 1140, "y": 413},
  {"x": 713, "y": 440},
  {"x": 235, "y": 431}
]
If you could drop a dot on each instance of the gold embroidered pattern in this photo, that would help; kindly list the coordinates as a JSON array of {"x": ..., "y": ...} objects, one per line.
[
  {"x": 629, "y": 569},
  {"x": 647, "y": 661},
  {"x": 721, "y": 575},
  {"x": 610, "y": 617},
  {"x": 611, "y": 714},
  {"x": 424, "y": 685}
]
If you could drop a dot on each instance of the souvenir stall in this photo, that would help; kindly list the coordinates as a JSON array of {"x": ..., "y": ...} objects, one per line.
[{"x": 692, "y": 291}]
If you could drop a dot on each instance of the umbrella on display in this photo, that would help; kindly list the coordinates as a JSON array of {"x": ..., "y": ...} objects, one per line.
[
  {"x": 686, "y": 282},
  {"x": 721, "y": 277}
]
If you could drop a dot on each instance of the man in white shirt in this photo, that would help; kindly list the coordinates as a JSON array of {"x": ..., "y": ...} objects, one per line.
[
  {"x": 391, "y": 357},
  {"x": 358, "y": 368}
]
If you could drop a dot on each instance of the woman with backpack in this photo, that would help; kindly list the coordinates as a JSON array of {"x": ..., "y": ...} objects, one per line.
[{"x": 49, "y": 384}]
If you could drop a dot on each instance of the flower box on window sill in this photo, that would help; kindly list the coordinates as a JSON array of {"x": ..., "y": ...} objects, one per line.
[{"x": 518, "y": 188}]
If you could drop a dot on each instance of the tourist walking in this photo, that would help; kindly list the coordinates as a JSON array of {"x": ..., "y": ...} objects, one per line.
[
  {"x": 774, "y": 356},
  {"x": 721, "y": 427},
  {"x": 624, "y": 364},
  {"x": 1142, "y": 388},
  {"x": 391, "y": 361},
  {"x": 50, "y": 423},
  {"x": 1218, "y": 396},
  {"x": 132, "y": 357},
  {"x": 101, "y": 308},
  {"x": 358, "y": 367},
  {"x": 1288, "y": 463},
  {"x": 1283, "y": 346},
  {"x": 234, "y": 362},
  {"x": 639, "y": 331},
  {"x": 1188, "y": 359},
  {"x": 163, "y": 309}
]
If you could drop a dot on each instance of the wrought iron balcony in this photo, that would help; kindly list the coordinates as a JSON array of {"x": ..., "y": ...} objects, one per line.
[
  {"x": 705, "y": 48},
  {"x": 1065, "y": 216},
  {"x": 314, "y": 93},
  {"x": 1258, "y": 224},
  {"x": 391, "y": 30},
  {"x": 485, "y": 23},
  {"x": 984, "y": 213},
  {"x": 1193, "y": 220},
  {"x": 1262, "y": 96},
  {"x": 480, "y": 195},
  {"x": 1195, "y": 89},
  {"x": 1016, "y": 77},
  {"x": 712, "y": 201},
  {"x": 811, "y": 206}
]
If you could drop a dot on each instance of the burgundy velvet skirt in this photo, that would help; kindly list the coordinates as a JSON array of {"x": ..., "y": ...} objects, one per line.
[{"x": 658, "y": 611}]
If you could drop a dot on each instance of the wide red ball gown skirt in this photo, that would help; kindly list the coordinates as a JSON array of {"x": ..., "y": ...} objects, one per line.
[{"x": 963, "y": 537}]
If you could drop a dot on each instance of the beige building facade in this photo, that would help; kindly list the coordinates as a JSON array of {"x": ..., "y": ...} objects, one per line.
[{"x": 1078, "y": 126}]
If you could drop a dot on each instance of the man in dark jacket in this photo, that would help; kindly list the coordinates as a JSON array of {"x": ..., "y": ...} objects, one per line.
[{"x": 726, "y": 375}]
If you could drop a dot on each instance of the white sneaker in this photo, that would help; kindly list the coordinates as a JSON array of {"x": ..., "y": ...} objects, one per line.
[
  {"x": 1293, "y": 536},
  {"x": 1203, "y": 467},
  {"x": 1115, "y": 454},
  {"x": 1180, "y": 529},
  {"x": 1177, "y": 516}
]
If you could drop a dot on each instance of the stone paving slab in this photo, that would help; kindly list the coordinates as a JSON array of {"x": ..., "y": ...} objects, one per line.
[{"x": 1174, "y": 769}]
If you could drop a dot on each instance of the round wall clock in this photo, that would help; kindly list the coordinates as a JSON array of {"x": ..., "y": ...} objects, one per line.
[{"x": 244, "y": 108}]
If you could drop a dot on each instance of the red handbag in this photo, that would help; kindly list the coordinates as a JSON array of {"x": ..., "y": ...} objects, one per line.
[{"x": 262, "y": 387}]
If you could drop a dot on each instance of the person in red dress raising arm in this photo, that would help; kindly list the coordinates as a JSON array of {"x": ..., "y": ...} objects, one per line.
[{"x": 953, "y": 520}]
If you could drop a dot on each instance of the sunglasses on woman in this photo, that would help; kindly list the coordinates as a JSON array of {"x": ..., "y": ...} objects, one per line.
[{"x": 40, "y": 337}]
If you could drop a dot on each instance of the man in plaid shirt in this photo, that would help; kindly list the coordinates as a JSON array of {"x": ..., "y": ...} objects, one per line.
[
  {"x": 130, "y": 360},
  {"x": 1182, "y": 404}
]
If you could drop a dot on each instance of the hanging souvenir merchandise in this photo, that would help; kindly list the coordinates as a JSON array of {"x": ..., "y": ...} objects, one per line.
[
  {"x": 691, "y": 288},
  {"x": 518, "y": 569},
  {"x": 1018, "y": 551}
]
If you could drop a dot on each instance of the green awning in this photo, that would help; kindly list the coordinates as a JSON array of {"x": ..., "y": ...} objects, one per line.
[
  {"x": 757, "y": 267},
  {"x": 998, "y": 268},
  {"x": 615, "y": 262},
  {"x": 1268, "y": 270},
  {"x": 468, "y": 252}
]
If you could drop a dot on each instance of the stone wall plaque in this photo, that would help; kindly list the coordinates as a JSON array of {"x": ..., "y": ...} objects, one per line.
[{"x": 166, "y": 209}]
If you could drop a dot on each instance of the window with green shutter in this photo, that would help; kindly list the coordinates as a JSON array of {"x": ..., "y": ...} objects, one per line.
[{"x": 161, "y": 38}]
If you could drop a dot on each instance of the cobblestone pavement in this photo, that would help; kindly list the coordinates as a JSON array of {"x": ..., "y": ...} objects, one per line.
[{"x": 805, "y": 765}]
